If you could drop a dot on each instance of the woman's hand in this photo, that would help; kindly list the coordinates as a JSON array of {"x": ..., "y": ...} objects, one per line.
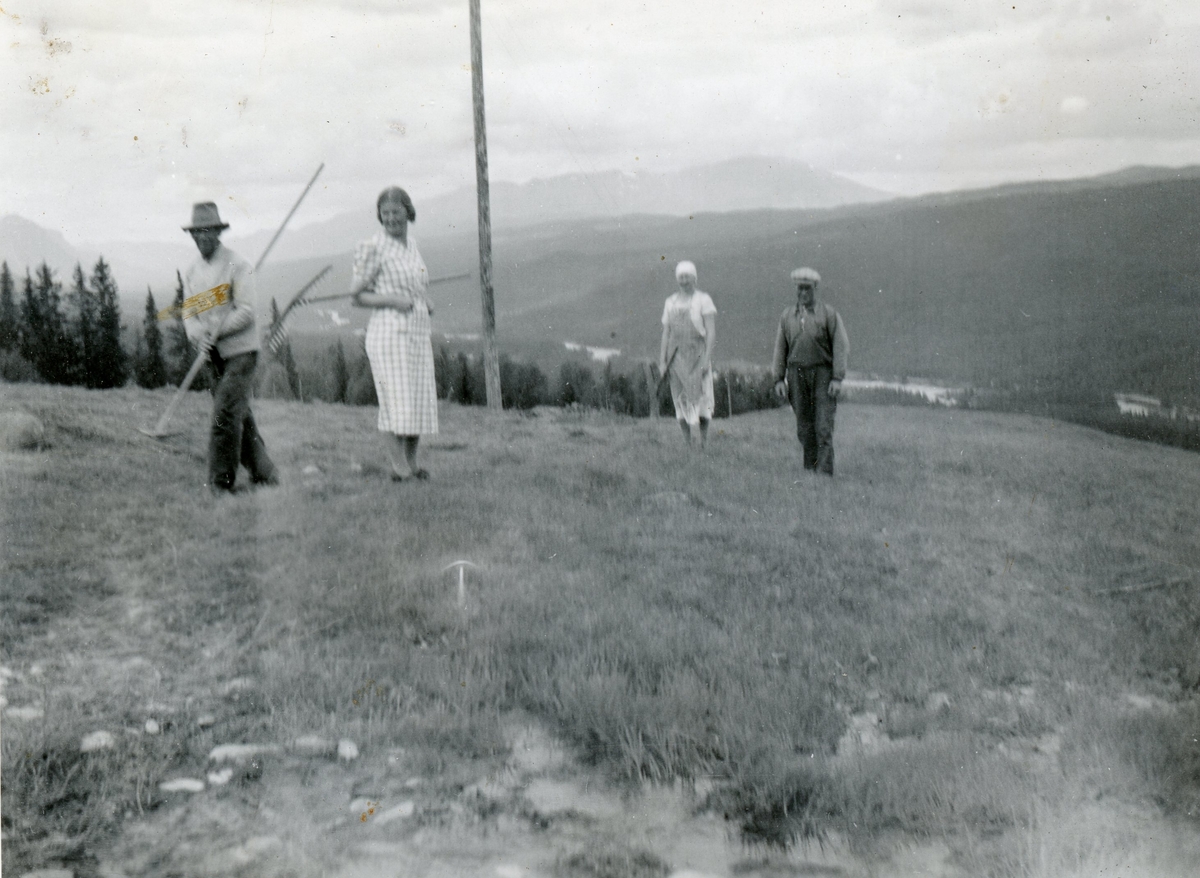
[
  {"x": 403, "y": 304},
  {"x": 367, "y": 286}
]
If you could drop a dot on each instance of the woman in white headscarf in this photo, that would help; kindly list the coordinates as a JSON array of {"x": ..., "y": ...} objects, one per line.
[{"x": 689, "y": 324}]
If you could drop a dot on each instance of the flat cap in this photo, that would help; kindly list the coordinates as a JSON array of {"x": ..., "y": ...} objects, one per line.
[{"x": 805, "y": 275}]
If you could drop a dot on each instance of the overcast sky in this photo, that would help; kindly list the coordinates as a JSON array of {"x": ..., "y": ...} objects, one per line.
[{"x": 115, "y": 115}]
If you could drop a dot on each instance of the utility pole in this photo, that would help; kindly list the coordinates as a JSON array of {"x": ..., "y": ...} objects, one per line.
[{"x": 491, "y": 360}]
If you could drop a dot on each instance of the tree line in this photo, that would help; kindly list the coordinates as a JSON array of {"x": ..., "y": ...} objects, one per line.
[
  {"x": 633, "y": 388},
  {"x": 75, "y": 336}
]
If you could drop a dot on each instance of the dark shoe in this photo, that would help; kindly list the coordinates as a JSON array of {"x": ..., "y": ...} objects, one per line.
[
  {"x": 421, "y": 475},
  {"x": 397, "y": 477},
  {"x": 270, "y": 481}
]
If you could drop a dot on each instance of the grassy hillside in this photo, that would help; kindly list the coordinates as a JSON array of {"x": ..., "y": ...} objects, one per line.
[{"x": 982, "y": 625}]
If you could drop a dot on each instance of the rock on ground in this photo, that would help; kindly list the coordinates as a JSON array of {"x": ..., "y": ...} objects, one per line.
[
  {"x": 182, "y": 785},
  {"x": 313, "y": 745},
  {"x": 97, "y": 740},
  {"x": 20, "y": 431},
  {"x": 240, "y": 752}
]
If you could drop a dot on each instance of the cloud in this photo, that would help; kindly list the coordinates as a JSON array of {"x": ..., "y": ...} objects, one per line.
[
  {"x": 1073, "y": 105},
  {"x": 244, "y": 99}
]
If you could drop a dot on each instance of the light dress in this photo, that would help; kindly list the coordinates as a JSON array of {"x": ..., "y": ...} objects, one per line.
[
  {"x": 398, "y": 344},
  {"x": 691, "y": 372}
]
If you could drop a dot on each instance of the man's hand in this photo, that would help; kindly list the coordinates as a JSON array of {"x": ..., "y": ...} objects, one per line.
[
  {"x": 207, "y": 339},
  {"x": 835, "y": 388},
  {"x": 781, "y": 389}
]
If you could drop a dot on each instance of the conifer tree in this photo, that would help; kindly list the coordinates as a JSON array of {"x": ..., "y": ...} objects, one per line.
[
  {"x": 341, "y": 373},
  {"x": 110, "y": 369},
  {"x": 31, "y": 321},
  {"x": 10, "y": 318},
  {"x": 150, "y": 369},
  {"x": 180, "y": 352},
  {"x": 284, "y": 355},
  {"x": 46, "y": 343},
  {"x": 463, "y": 387},
  {"x": 86, "y": 330}
]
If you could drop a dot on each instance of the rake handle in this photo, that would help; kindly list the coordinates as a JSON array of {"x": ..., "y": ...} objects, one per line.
[
  {"x": 183, "y": 388},
  {"x": 666, "y": 373},
  {"x": 283, "y": 225},
  {"x": 334, "y": 296}
]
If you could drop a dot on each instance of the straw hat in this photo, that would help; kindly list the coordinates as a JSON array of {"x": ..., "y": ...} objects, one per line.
[{"x": 205, "y": 216}]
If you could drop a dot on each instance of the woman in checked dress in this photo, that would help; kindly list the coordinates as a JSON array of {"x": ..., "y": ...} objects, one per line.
[
  {"x": 390, "y": 277},
  {"x": 689, "y": 324}
]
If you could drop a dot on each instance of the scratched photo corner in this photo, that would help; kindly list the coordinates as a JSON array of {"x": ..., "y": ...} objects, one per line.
[{"x": 498, "y": 438}]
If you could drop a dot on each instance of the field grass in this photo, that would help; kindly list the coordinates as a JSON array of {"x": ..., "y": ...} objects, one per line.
[{"x": 982, "y": 625}]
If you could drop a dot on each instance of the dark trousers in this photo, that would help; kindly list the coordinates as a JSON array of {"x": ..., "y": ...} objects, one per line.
[
  {"x": 234, "y": 437},
  {"x": 808, "y": 387}
]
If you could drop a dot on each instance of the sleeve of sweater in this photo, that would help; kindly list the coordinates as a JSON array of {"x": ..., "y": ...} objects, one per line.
[
  {"x": 779, "y": 359},
  {"x": 841, "y": 348},
  {"x": 237, "y": 320}
]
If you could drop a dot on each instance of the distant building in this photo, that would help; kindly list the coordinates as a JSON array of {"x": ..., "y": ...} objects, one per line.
[
  {"x": 1141, "y": 406},
  {"x": 935, "y": 393}
]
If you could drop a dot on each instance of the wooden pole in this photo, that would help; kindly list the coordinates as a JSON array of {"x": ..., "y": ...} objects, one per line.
[{"x": 491, "y": 361}]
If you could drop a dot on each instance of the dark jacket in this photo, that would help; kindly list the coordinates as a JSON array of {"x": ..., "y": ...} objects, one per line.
[{"x": 816, "y": 338}]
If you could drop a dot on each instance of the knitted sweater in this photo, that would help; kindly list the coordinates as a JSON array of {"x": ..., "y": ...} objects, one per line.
[{"x": 237, "y": 332}]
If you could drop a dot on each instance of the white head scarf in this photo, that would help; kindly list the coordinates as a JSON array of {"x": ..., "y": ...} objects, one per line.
[{"x": 688, "y": 269}]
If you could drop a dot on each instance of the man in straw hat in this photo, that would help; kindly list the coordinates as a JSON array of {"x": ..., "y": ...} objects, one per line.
[
  {"x": 228, "y": 333},
  {"x": 811, "y": 348}
]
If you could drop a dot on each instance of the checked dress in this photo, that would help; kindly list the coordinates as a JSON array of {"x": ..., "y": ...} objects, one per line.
[{"x": 398, "y": 344}]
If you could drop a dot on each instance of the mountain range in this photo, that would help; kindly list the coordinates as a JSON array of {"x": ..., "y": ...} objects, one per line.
[
  {"x": 1067, "y": 292},
  {"x": 737, "y": 184}
]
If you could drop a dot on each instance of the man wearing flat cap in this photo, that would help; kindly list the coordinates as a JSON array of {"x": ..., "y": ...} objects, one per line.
[
  {"x": 221, "y": 285},
  {"x": 811, "y": 348}
]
